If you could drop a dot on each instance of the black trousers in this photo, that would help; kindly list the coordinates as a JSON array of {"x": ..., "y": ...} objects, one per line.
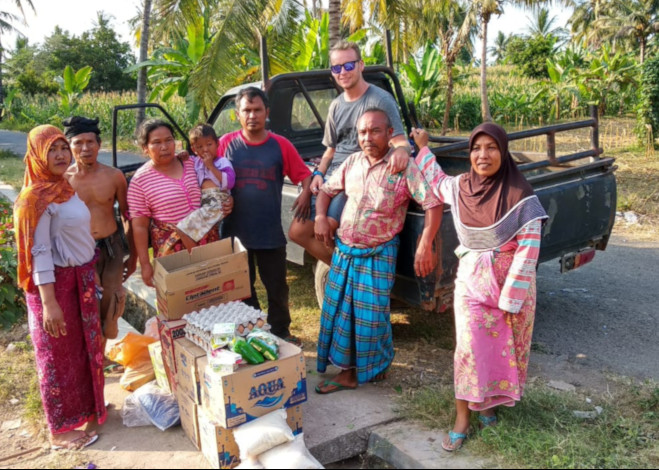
[{"x": 272, "y": 271}]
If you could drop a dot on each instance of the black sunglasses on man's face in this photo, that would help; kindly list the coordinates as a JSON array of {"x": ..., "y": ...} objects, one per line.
[{"x": 348, "y": 66}]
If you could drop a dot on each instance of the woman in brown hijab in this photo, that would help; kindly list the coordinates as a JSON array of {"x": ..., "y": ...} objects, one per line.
[{"x": 498, "y": 220}]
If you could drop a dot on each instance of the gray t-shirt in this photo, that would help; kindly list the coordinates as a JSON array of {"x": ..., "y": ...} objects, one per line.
[{"x": 341, "y": 125}]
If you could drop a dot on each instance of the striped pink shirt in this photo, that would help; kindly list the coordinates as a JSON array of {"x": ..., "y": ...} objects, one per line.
[{"x": 156, "y": 196}]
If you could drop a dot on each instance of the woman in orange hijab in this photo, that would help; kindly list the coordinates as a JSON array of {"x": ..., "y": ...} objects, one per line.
[{"x": 56, "y": 253}]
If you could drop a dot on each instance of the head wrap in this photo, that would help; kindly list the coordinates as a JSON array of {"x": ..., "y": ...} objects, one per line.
[
  {"x": 40, "y": 188},
  {"x": 492, "y": 209},
  {"x": 75, "y": 125}
]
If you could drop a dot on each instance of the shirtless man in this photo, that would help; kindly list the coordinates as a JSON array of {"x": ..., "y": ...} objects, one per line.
[{"x": 99, "y": 186}]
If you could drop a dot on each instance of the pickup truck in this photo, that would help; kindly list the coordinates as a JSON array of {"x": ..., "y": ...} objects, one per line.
[{"x": 577, "y": 190}]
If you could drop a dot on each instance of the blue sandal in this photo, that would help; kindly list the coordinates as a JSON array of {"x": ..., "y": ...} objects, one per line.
[
  {"x": 454, "y": 437},
  {"x": 487, "y": 421}
]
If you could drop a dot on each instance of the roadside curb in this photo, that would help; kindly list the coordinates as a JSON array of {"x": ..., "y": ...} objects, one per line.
[{"x": 408, "y": 445}]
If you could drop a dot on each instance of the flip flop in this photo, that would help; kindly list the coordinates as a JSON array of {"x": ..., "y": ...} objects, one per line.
[
  {"x": 78, "y": 443},
  {"x": 453, "y": 438},
  {"x": 487, "y": 421},
  {"x": 328, "y": 383}
]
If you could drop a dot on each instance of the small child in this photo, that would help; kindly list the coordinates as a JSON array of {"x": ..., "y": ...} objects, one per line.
[{"x": 216, "y": 178}]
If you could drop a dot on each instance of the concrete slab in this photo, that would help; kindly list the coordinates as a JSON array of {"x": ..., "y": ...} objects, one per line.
[
  {"x": 337, "y": 426},
  {"x": 407, "y": 445}
]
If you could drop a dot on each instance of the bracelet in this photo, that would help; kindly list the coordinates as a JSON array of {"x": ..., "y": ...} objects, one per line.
[{"x": 317, "y": 172}]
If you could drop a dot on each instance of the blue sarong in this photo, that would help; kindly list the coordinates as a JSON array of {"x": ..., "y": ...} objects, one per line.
[{"x": 355, "y": 324}]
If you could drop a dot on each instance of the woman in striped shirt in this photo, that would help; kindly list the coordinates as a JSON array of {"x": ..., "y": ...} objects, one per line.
[
  {"x": 162, "y": 192},
  {"x": 498, "y": 220}
]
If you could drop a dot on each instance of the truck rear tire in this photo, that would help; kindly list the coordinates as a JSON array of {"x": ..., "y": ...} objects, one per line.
[{"x": 321, "y": 273}]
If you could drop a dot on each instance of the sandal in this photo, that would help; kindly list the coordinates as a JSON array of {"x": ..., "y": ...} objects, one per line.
[
  {"x": 328, "y": 383},
  {"x": 487, "y": 421},
  {"x": 453, "y": 438},
  {"x": 77, "y": 444},
  {"x": 294, "y": 340}
]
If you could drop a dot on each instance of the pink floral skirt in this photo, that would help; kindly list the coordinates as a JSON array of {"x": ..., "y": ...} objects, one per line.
[
  {"x": 70, "y": 368},
  {"x": 493, "y": 347}
]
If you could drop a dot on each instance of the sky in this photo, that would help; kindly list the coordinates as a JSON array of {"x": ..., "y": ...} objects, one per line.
[{"x": 78, "y": 16}]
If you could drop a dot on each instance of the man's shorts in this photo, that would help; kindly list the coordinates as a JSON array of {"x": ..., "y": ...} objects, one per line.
[{"x": 335, "y": 208}]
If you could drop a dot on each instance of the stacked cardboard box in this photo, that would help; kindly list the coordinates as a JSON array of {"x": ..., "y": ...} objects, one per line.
[
  {"x": 212, "y": 404},
  {"x": 212, "y": 274}
]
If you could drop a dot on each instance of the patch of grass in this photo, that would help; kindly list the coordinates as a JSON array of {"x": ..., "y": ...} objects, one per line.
[
  {"x": 12, "y": 169},
  {"x": 542, "y": 432},
  {"x": 18, "y": 379}
]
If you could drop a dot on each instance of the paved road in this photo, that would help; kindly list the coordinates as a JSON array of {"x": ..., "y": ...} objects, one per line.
[
  {"x": 606, "y": 310},
  {"x": 17, "y": 143}
]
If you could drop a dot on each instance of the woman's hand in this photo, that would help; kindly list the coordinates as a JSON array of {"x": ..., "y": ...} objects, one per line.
[
  {"x": 53, "y": 318},
  {"x": 147, "y": 274},
  {"x": 420, "y": 136},
  {"x": 227, "y": 206}
]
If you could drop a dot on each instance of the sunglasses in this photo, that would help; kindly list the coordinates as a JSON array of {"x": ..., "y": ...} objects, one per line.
[{"x": 348, "y": 66}]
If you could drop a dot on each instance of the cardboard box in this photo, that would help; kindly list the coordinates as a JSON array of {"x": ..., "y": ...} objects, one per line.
[
  {"x": 171, "y": 331},
  {"x": 220, "y": 448},
  {"x": 234, "y": 398},
  {"x": 189, "y": 418},
  {"x": 212, "y": 274},
  {"x": 191, "y": 361},
  {"x": 155, "y": 351}
]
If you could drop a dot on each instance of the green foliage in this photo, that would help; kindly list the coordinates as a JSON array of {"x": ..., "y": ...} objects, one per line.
[
  {"x": 648, "y": 109},
  {"x": 11, "y": 298},
  {"x": 531, "y": 54},
  {"x": 424, "y": 74},
  {"x": 98, "y": 48},
  {"x": 71, "y": 85}
]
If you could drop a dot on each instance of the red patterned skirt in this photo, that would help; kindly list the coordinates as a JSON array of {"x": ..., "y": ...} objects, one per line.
[{"x": 70, "y": 368}]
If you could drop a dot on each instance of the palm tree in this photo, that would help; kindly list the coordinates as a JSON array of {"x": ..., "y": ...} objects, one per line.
[
  {"x": 499, "y": 48},
  {"x": 447, "y": 22},
  {"x": 236, "y": 27},
  {"x": 334, "y": 21},
  {"x": 392, "y": 15},
  {"x": 6, "y": 20},
  {"x": 543, "y": 25},
  {"x": 484, "y": 9},
  {"x": 637, "y": 20},
  {"x": 585, "y": 14},
  {"x": 144, "y": 49}
]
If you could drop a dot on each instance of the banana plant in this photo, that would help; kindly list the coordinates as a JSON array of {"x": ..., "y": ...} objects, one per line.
[
  {"x": 424, "y": 74},
  {"x": 71, "y": 85},
  {"x": 170, "y": 68}
]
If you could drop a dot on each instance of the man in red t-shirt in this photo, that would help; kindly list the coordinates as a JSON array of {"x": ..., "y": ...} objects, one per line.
[{"x": 261, "y": 160}]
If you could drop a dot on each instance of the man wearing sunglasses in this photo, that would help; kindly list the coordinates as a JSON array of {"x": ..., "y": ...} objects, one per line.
[{"x": 341, "y": 141}]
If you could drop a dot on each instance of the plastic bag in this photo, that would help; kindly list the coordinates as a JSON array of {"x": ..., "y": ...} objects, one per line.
[
  {"x": 132, "y": 413},
  {"x": 264, "y": 342},
  {"x": 290, "y": 455},
  {"x": 161, "y": 407},
  {"x": 132, "y": 350},
  {"x": 263, "y": 434},
  {"x": 151, "y": 328}
]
